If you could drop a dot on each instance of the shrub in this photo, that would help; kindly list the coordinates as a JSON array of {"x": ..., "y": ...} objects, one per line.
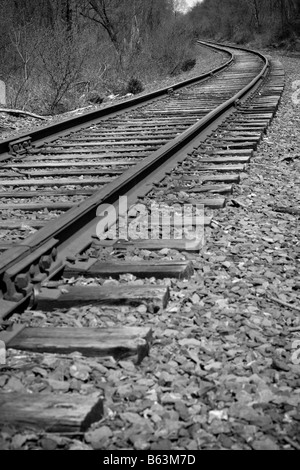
[
  {"x": 62, "y": 65},
  {"x": 134, "y": 86},
  {"x": 188, "y": 65},
  {"x": 95, "y": 98}
]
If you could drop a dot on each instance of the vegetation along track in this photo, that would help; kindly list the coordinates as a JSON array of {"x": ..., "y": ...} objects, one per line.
[{"x": 188, "y": 144}]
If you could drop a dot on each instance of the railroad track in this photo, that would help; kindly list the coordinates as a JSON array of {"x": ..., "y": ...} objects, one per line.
[{"x": 179, "y": 147}]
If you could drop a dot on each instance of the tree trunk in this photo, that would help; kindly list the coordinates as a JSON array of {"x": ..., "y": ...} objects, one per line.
[{"x": 67, "y": 14}]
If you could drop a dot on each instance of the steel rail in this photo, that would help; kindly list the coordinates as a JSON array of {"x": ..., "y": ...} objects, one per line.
[
  {"x": 38, "y": 253},
  {"x": 53, "y": 131}
]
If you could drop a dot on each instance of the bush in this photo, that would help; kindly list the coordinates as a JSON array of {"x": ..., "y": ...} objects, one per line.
[
  {"x": 95, "y": 98},
  {"x": 242, "y": 36},
  {"x": 61, "y": 63},
  {"x": 188, "y": 65},
  {"x": 134, "y": 86}
]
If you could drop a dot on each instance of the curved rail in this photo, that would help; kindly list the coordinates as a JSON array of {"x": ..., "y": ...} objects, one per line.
[
  {"x": 256, "y": 80},
  {"x": 55, "y": 130},
  {"x": 38, "y": 254}
]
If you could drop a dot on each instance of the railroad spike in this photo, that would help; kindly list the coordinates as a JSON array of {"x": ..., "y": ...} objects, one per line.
[
  {"x": 22, "y": 281},
  {"x": 10, "y": 293},
  {"x": 45, "y": 263}
]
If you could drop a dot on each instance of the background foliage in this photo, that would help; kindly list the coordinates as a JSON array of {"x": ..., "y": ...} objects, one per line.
[
  {"x": 60, "y": 54},
  {"x": 267, "y": 22},
  {"x": 57, "y": 54}
]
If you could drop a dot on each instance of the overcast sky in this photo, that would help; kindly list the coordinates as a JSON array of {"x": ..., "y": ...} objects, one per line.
[{"x": 191, "y": 3}]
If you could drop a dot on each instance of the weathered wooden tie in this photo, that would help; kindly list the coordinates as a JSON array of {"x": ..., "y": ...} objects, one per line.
[
  {"x": 154, "y": 245},
  {"x": 91, "y": 342},
  {"x": 49, "y": 412},
  {"x": 213, "y": 188},
  {"x": 141, "y": 269},
  {"x": 70, "y": 296}
]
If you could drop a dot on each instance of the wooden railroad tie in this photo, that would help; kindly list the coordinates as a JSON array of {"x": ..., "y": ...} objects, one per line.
[
  {"x": 91, "y": 342},
  {"x": 49, "y": 412},
  {"x": 73, "y": 296},
  {"x": 212, "y": 188},
  {"x": 152, "y": 245},
  {"x": 234, "y": 178},
  {"x": 220, "y": 160},
  {"x": 141, "y": 269}
]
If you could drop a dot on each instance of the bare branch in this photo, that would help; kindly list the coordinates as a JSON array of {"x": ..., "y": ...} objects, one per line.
[{"x": 18, "y": 112}]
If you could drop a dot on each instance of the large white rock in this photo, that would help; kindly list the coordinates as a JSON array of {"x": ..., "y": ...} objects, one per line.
[
  {"x": 2, "y": 353},
  {"x": 2, "y": 93}
]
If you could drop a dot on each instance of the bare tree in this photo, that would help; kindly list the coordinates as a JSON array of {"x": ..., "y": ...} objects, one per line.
[
  {"x": 103, "y": 13},
  {"x": 254, "y": 5},
  {"x": 62, "y": 64},
  {"x": 25, "y": 45},
  {"x": 271, "y": 19}
]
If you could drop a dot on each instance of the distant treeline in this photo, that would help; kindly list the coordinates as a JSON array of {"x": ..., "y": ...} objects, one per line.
[
  {"x": 57, "y": 54},
  {"x": 268, "y": 22}
]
